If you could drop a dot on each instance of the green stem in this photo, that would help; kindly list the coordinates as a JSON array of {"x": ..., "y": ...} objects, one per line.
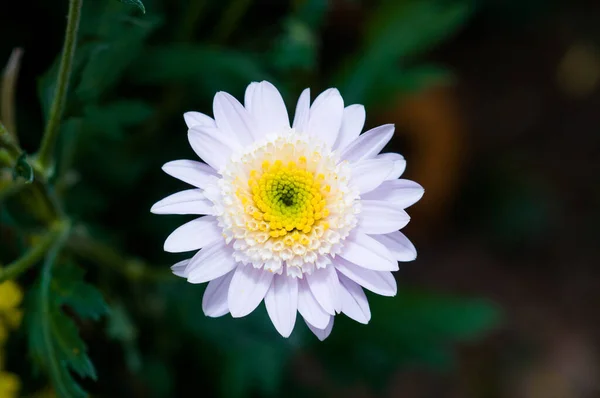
[
  {"x": 44, "y": 304},
  {"x": 46, "y": 153},
  {"x": 35, "y": 254}
]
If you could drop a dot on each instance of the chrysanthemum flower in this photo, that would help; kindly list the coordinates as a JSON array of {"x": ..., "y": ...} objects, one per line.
[{"x": 303, "y": 217}]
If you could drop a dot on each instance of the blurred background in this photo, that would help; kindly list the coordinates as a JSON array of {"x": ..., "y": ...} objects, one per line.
[{"x": 497, "y": 110}]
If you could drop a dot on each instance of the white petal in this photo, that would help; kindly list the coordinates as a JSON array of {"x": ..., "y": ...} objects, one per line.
[
  {"x": 195, "y": 173},
  {"x": 190, "y": 201},
  {"x": 321, "y": 334},
  {"x": 369, "y": 144},
  {"x": 266, "y": 105},
  {"x": 398, "y": 244},
  {"x": 402, "y": 193},
  {"x": 212, "y": 145},
  {"x": 366, "y": 252},
  {"x": 399, "y": 164},
  {"x": 282, "y": 303},
  {"x": 302, "y": 112},
  {"x": 324, "y": 285},
  {"x": 194, "y": 235},
  {"x": 354, "y": 301},
  {"x": 309, "y": 307},
  {"x": 369, "y": 174},
  {"x": 352, "y": 124},
  {"x": 380, "y": 282},
  {"x": 214, "y": 301},
  {"x": 198, "y": 119},
  {"x": 179, "y": 268},
  {"x": 380, "y": 217},
  {"x": 210, "y": 262},
  {"x": 326, "y": 115},
  {"x": 248, "y": 287},
  {"x": 233, "y": 119}
]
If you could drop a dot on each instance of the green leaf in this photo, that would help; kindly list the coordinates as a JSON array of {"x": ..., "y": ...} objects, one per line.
[
  {"x": 23, "y": 169},
  {"x": 54, "y": 341},
  {"x": 210, "y": 69},
  {"x": 136, "y": 3},
  {"x": 46, "y": 84},
  {"x": 116, "y": 45}
]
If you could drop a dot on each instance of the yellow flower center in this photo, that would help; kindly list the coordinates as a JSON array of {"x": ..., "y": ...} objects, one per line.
[
  {"x": 288, "y": 198},
  {"x": 286, "y": 203}
]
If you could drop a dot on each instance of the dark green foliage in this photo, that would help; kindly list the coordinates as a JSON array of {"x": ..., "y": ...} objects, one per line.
[
  {"x": 133, "y": 77},
  {"x": 252, "y": 355},
  {"x": 396, "y": 33},
  {"x": 414, "y": 327},
  {"x": 68, "y": 352},
  {"x": 228, "y": 70},
  {"x": 136, "y": 3}
]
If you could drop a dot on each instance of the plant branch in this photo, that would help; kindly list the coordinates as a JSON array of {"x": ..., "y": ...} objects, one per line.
[
  {"x": 46, "y": 153},
  {"x": 35, "y": 254}
]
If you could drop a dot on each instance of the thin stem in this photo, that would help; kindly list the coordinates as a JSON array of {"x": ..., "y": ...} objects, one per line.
[
  {"x": 46, "y": 153},
  {"x": 35, "y": 254},
  {"x": 55, "y": 367},
  {"x": 7, "y": 98}
]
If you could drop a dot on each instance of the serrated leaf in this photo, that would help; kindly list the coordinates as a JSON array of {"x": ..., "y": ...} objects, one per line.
[
  {"x": 54, "y": 341},
  {"x": 23, "y": 169},
  {"x": 71, "y": 290},
  {"x": 136, "y": 3}
]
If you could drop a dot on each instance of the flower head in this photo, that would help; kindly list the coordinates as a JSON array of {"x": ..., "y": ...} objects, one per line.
[{"x": 303, "y": 216}]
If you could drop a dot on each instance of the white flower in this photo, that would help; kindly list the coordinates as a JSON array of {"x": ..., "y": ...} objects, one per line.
[{"x": 303, "y": 217}]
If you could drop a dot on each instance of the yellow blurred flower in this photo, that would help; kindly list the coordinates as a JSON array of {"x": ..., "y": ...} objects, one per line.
[
  {"x": 9, "y": 385},
  {"x": 10, "y": 298},
  {"x": 10, "y": 318}
]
